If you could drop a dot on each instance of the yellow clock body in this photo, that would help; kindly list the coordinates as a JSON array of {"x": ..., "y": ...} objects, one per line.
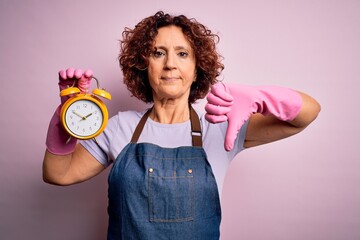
[{"x": 84, "y": 116}]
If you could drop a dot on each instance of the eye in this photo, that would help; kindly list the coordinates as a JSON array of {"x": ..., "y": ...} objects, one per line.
[
  {"x": 183, "y": 54},
  {"x": 158, "y": 54}
]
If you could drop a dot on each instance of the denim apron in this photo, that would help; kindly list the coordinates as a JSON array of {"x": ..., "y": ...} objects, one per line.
[{"x": 163, "y": 193}]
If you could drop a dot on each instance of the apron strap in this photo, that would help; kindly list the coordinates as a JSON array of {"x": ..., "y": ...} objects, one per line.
[
  {"x": 195, "y": 128},
  {"x": 140, "y": 126}
]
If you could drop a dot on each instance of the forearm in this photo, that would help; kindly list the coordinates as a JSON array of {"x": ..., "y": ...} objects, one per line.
[
  {"x": 309, "y": 111},
  {"x": 265, "y": 129},
  {"x": 55, "y": 168},
  {"x": 70, "y": 169}
]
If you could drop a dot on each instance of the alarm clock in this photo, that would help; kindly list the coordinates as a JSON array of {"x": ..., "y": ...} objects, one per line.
[{"x": 84, "y": 115}]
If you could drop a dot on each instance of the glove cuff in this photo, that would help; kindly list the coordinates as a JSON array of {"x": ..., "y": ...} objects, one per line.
[
  {"x": 57, "y": 140},
  {"x": 284, "y": 103}
]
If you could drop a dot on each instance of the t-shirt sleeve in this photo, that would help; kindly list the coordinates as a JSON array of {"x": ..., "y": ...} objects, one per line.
[
  {"x": 115, "y": 137},
  {"x": 100, "y": 146}
]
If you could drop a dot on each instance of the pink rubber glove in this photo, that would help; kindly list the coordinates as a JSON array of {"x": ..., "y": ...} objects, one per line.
[
  {"x": 57, "y": 138},
  {"x": 236, "y": 103}
]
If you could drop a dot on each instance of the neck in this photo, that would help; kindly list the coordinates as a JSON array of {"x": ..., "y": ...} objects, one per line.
[{"x": 169, "y": 112}]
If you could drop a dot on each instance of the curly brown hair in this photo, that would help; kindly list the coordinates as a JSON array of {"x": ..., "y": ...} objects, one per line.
[{"x": 138, "y": 44}]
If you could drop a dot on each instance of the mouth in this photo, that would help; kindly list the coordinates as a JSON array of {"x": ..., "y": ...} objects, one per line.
[{"x": 165, "y": 78}]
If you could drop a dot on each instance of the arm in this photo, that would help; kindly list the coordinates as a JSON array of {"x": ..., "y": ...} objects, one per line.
[
  {"x": 266, "y": 129},
  {"x": 67, "y": 162},
  {"x": 72, "y": 168},
  {"x": 274, "y": 112}
]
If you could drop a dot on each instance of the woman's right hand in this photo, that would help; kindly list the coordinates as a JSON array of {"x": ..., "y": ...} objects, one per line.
[
  {"x": 66, "y": 162},
  {"x": 57, "y": 140},
  {"x": 74, "y": 77}
]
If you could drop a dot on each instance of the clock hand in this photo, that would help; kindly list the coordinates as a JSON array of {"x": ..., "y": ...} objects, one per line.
[
  {"x": 84, "y": 118},
  {"x": 88, "y": 115},
  {"x": 77, "y": 114}
]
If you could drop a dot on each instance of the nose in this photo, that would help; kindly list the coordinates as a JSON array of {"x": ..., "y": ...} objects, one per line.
[{"x": 170, "y": 61}]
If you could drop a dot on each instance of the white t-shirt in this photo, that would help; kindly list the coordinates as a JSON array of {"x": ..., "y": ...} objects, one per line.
[{"x": 121, "y": 127}]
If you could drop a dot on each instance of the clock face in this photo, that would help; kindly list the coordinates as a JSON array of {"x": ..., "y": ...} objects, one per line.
[{"x": 83, "y": 118}]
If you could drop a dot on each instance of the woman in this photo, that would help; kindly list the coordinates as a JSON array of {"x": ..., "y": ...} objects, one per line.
[{"x": 169, "y": 165}]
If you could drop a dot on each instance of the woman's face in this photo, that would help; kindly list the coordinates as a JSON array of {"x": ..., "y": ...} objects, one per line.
[{"x": 171, "y": 69}]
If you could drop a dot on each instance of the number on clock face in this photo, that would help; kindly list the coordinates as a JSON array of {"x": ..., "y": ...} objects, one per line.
[{"x": 83, "y": 118}]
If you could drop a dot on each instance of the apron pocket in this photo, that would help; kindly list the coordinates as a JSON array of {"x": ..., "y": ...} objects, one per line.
[{"x": 171, "y": 199}]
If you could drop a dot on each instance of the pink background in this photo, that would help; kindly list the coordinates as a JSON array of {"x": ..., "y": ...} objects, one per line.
[{"x": 305, "y": 187}]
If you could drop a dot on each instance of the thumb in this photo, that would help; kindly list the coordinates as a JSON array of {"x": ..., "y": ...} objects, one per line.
[
  {"x": 232, "y": 131},
  {"x": 84, "y": 81}
]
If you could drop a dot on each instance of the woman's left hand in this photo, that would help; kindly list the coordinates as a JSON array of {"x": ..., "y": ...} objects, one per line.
[
  {"x": 219, "y": 102},
  {"x": 237, "y": 103}
]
